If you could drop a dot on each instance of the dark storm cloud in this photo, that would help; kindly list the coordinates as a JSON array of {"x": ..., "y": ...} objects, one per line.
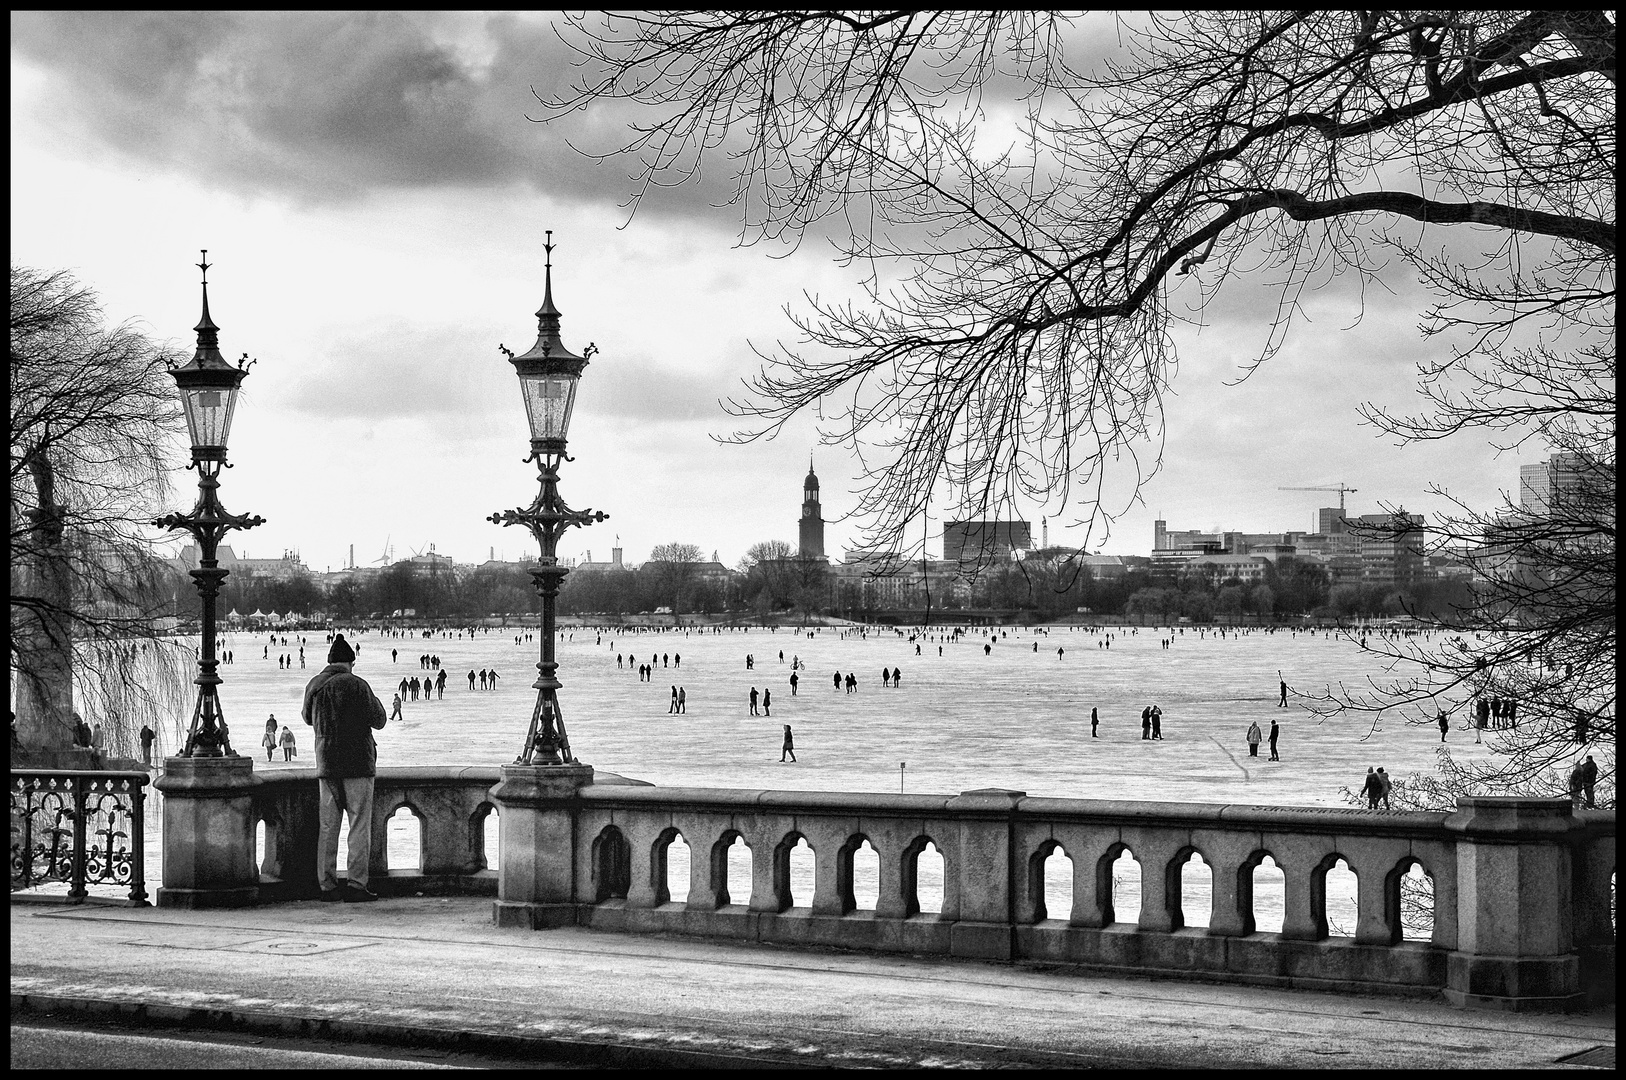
[{"x": 325, "y": 106}]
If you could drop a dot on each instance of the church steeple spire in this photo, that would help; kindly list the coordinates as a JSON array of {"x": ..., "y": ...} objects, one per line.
[{"x": 810, "y": 529}]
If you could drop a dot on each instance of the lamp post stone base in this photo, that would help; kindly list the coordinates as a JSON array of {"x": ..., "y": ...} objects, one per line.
[
  {"x": 537, "y": 807},
  {"x": 209, "y": 832}
]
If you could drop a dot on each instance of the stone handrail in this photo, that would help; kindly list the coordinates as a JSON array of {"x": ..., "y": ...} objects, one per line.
[
  {"x": 1522, "y": 888},
  {"x": 450, "y": 803}
]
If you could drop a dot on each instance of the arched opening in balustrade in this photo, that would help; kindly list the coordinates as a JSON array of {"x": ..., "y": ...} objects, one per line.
[
  {"x": 1262, "y": 894},
  {"x": 669, "y": 869},
  {"x": 731, "y": 869},
  {"x": 612, "y": 865},
  {"x": 1408, "y": 896},
  {"x": 921, "y": 873},
  {"x": 403, "y": 839},
  {"x": 1192, "y": 890},
  {"x": 1117, "y": 883},
  {"x": 1334, "y": 897},
  {"x": 485, "y": 836},
  {"x": 1050, "y": 882},
  {"x": 863, "y": 876},
  {"x": 260, "y": 850},
  {"x": 793, "y": 863}
]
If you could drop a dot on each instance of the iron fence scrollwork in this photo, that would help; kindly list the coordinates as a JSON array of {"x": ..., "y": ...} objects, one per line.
[{"x": 79, "y": 827}]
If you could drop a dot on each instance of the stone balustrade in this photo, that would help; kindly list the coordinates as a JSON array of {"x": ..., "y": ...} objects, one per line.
[
  {"x": 450, "y": 804},
  {"x": 1522, "y": 889}
]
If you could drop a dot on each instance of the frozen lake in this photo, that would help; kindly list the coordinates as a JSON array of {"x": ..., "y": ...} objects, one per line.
[
  {"x": 1011, "y": 717},
  {"x": 964, "y": 717}
]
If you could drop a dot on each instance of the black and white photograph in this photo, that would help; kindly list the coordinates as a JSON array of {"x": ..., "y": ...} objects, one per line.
[{"x": 936, "y": 539}]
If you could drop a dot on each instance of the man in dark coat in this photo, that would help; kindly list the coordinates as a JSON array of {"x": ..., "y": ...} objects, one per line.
[
  {"x": 1372, "y": 789},
  {"x": 345, "y": 712}
]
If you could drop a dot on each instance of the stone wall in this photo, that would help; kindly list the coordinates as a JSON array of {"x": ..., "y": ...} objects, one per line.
[{"x": 1522, "y": 888}]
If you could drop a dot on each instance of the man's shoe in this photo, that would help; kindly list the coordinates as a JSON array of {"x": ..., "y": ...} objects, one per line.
[
  {"x": 355, "y": 894},
  {"x": 332, "y": 896}
]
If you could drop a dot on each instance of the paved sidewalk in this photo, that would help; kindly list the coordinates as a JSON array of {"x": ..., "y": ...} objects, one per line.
[{"x": 435, "y": 972}]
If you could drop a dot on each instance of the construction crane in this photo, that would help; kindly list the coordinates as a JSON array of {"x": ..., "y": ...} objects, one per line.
[{"x": 1340, "y": 489}]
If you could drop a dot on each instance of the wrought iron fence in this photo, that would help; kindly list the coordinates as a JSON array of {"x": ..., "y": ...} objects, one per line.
[{"x": 79, "y": 827}]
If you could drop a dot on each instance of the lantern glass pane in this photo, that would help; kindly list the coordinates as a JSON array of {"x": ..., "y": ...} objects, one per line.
[
  {"x": 548, "y": 401},
  {"x": 208, "y": 414}
]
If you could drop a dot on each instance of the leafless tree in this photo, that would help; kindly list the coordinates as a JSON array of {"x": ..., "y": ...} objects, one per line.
[
  {"x": 93, "y": 422},
  {"x": 766, "y": 566},
  {"x": 674, "y": 566},
  {"x": 1014, "y": 338}
]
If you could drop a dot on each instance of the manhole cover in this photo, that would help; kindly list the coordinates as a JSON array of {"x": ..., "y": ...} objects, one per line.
[{"x": 1599, "y": 1057}]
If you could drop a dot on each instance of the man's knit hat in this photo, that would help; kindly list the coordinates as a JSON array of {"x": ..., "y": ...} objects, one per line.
[{"x": 341, "y": 652}]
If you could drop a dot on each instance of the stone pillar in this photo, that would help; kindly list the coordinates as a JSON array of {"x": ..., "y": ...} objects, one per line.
[
  {"x": 828, "y": 877},
  {"x": 1298, "y": 857},
  {"x": 984, "y": 925},
  {"x": 536, "y": 845},
  {"x": 703, "y": 860},
  {"x": 1515, "y": 916},
  {"x": 890, "y": 904},
  {"x": 765, "y": 876},
  {"x": 209, "y": 832}
]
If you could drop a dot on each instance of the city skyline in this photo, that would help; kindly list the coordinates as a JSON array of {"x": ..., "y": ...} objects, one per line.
[{"x": 372, "y": 255}]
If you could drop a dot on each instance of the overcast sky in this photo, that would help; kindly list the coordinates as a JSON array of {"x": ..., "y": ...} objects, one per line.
[{"x": 374, "y": 199}]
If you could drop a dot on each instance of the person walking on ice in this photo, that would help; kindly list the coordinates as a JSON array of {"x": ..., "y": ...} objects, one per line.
[
  {"x": 395, "y": 708},
  {"x": 1372, "y": 789},
  {"x": 1275, "y": 730},
  {"x": 788, "y": 747},
  {"x": 1095, "y": 720},
  {"x": 767, "y": 702},
  {"x": 1282, "y": 704},
  {"x": 287, "y": 743}
]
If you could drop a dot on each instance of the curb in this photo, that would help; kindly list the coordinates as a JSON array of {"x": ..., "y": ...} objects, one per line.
[{"x": 524, "y": 1047}]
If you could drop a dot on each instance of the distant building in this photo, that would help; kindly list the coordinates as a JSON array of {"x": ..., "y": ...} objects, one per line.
[
  {"x": 982, "y": 542},
  {"x": 288, "y": 567},
  {"x": 810, "y": 529},
  {"x": 429, "y": 564},
  {"x": 1329, "y": 520},
  {"x": 1185, "y": 540},
  {"x": 866, "y": 581},
  {"x": 1248, "y": 569},
  {"x": 1539, "y": 484},
  {"x": 1391, "y": 547}
]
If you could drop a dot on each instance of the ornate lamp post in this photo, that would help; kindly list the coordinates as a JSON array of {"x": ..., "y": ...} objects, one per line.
[
  {"x": 208, "y": 387},
  {"x": 548, "y": 374}
]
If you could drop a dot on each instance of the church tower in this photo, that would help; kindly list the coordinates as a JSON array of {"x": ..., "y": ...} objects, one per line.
[{"x": 811, "y": 527}]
